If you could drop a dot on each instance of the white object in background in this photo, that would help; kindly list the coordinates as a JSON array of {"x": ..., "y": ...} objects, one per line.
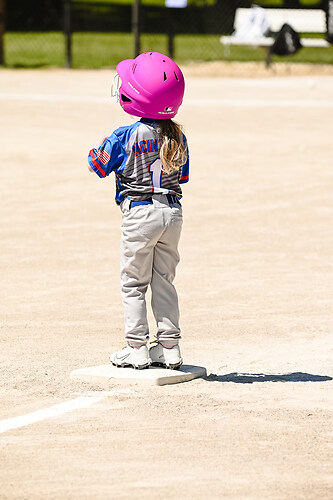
[{"x": 176, "y": 4}]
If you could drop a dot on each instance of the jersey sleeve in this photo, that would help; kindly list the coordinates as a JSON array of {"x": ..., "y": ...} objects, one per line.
[
  {"x": 186, "y": 167},
  {"x": 108, "y": 157}
]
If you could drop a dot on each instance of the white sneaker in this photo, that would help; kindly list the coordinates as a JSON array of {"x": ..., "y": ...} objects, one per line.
[
  {"x": 128, "y": 356},
  {"x": 168, "y": 358}
]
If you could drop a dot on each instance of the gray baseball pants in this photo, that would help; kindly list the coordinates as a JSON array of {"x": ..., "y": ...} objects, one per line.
[{"x": 149, "y": 256}]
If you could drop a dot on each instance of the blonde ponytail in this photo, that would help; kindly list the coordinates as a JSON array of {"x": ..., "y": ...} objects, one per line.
[{"x": 173, "y": 150}]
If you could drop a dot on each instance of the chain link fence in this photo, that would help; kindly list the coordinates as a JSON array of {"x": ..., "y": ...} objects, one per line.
[{"x": 89, "y": 34}]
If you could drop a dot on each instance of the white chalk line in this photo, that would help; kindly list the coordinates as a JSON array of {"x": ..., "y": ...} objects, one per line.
[
  {"x": 57, "y": 410},
  {"x": 55, "y": 98},
  {"x": 189, "y": 102},
  {"x": 259, "y": 103}
]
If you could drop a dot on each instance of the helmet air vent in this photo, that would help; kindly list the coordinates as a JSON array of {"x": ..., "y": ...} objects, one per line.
[
  {"x": 165, "y": 77},
  {"x": 176, "y": 76},
  {"x": 124, "y": 98}
]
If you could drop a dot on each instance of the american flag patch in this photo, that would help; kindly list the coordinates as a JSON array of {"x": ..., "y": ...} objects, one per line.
[{"x": 103, "y": 156}]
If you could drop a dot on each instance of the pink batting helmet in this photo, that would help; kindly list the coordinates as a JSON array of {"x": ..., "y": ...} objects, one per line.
[{"x": 152, "y": 86}]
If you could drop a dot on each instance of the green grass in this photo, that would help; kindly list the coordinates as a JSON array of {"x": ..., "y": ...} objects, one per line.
[
  {"x": 96, "y": 50},
  {"x": 306, "y": 55},
  {"x": 34, "y": 49}
]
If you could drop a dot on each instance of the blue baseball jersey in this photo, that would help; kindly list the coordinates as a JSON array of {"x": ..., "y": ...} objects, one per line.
[{"x": 132, "y": 153}]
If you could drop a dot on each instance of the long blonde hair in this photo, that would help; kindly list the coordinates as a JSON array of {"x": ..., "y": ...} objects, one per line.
[{"x": 173, "y": 150}]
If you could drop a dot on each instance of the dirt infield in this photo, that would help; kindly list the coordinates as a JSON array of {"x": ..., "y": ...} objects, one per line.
[
  {"x": 255, "y": 70},
  {"x": 255, "y": 285}
]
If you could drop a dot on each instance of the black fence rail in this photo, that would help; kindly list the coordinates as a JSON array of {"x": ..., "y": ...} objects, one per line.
[{"x": 92, "y": 34}]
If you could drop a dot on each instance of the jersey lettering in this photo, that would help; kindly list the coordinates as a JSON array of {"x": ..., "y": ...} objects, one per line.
[
  {"x": 143, "y": 146},
  {"x": 156, "y": 172},
  {"x": 148, "y": 146}
]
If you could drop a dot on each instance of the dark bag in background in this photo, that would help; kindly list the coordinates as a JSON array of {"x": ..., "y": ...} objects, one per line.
[{"x": 287, "y": 42}]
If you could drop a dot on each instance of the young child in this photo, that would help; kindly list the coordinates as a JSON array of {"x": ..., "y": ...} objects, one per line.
[{"x": 150, "y": 161}]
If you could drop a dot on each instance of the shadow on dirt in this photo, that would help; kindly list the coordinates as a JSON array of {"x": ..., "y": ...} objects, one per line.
[{"x": 250, "y": 378}]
